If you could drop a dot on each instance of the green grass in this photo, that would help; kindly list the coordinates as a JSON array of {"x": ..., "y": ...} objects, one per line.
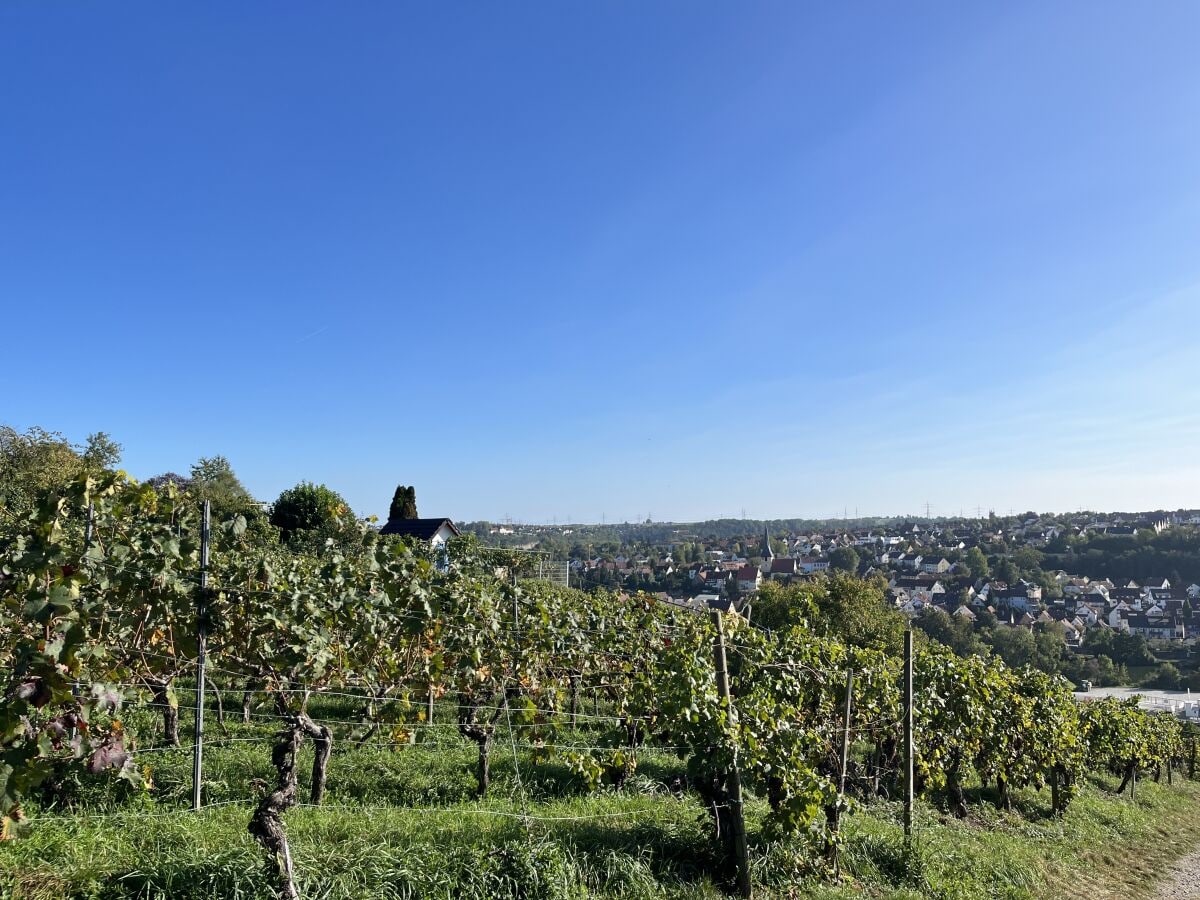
[
  {"x": 400, "y": 822},
  {"x": 649, "y": 847}
]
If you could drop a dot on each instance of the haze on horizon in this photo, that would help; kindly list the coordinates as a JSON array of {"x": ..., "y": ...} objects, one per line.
[{"x": 555, "y": 262}]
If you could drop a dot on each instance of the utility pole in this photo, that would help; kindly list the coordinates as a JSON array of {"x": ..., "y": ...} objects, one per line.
[{"x": 201, "y": 651}]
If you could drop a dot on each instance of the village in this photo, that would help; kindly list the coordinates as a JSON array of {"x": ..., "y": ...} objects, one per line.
[{"x": 968, "y": 568}]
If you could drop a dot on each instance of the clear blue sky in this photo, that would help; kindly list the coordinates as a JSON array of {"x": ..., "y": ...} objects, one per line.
[{"x": 565, "y": 260}]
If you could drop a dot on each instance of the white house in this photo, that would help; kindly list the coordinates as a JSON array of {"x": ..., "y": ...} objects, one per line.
[{"x": 432, "y": 532}]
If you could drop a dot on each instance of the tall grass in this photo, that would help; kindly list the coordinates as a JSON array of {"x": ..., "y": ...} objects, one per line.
[{"x": 399, "y": 821}]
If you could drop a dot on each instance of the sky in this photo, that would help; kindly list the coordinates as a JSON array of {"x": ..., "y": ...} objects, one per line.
[{"x": 615, "y": 260}]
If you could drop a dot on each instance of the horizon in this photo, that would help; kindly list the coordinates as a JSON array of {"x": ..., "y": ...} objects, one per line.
[{"x": 550, "y": 263}]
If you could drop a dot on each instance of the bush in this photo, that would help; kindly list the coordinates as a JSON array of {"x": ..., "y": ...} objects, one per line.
[{"x": 307, "y": 507}]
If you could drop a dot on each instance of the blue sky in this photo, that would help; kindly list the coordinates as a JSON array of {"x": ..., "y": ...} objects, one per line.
[{"x": 565, "y": 261}]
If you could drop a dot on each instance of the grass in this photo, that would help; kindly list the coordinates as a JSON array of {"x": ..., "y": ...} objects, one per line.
[{"x": 400, "y": 822}]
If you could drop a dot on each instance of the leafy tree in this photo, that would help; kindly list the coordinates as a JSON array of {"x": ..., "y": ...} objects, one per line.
[
  {"x": 1168, "y": 677},
  {"x": 855, "y": 611},
  {"x": 404, "y": 503},
  {"x": 1016, "y": 646},
  {"x": 36, "y": 462},
  {"x": 101, "y": 452},
  {"x": 1131, "y": 650},
  {"x": 308, "y": 507},
  {"x": 977, "y": 563},
  {"x": 956, "y": 632},
  {"x": 778, "y": 606},
  {"x": 1027, "y": 558},
  {"x": 160, "y": 482},
  {"x": 1007, "y": 571},
  {"x": 844, "y": 559},
  {"x": 213, "y": 480}
]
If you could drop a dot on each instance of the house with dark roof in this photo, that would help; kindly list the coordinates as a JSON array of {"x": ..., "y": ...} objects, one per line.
[
  {"x": 432, "y": 532},
  {"x": 784, "y": 568},
  {"x": 749, "y": 578}
]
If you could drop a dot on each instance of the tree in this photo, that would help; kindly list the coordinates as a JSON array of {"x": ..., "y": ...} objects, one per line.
[
  {"x": 213, "y": 480},
  {"x": 977, "y": 563},
  {"x": 404, "y": 503},
  {"x": 37, "y": 461},
  {"x": 308, "y": 507},
  {"x": 1007, "y": 572},
  {"x": 1027, "y": 558},
  {"x": 1168, "y": 677},
  {"x": 160, "y": 482},
  {"x": 844, "y": 559},
  {"x": 855, "y": 611},
  {"x": 1016, "y": 646},
  {"x": 101, "y": 452}
]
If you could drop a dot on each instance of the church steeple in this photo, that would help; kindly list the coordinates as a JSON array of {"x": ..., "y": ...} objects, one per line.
[{"x": 768, "y": 554}]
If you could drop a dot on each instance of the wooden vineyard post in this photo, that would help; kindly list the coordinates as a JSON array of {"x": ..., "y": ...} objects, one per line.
[
  {"x": 846, "y": 732},
  {"x": 733, "y": 776},
  {"x": 908, "y": 732}
]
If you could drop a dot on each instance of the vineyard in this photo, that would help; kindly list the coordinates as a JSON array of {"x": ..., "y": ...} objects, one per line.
[{"x": 156, "y": 666}]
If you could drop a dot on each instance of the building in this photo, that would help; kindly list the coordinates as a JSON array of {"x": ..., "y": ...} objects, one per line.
[{"x": 432, "y": 532}]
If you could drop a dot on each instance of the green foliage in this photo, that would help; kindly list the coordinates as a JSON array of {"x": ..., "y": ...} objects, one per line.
[
  {"x": 1007, "y": 571},
  {"x": 37, "y": 462},
  {"x": 213, "y": 479},
  {"x": 844, "y": 559},
  {"x": 116, "y": 616},
  {"x": 977, "y": 562},
  {"x": 1175, "y": 552},
  {"x": 404, "y": 504},
  {"x": 309, "y": 507}
]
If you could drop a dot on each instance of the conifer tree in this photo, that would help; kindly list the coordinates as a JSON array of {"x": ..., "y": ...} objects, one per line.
[{"x": 404, "y": 503}]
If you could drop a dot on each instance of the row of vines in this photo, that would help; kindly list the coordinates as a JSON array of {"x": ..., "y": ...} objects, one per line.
[{"x": 99, "y": 598}]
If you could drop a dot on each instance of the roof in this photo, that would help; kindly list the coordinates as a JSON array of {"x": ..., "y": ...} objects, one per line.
[{"x": 424, "y": 529}]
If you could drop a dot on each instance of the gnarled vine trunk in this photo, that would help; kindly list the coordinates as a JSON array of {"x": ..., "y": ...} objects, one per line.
[
  {"x": 266, "y": 825},
  {"x": 482, "y": 733},
  {"x": 713, "y": 788},
  {"x": 220, "y": 701},
  {"x": 164, "y": 699},
  {"x": 958, "y": 803},
  {"x": 1003, "y": 798},
  {"x": 1129, "y": 779}
]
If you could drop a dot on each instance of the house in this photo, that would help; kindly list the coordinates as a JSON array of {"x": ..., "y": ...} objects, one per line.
[
  {"x": 784, "y": 568},
  {"x": 934, "y": 566},
  {"x": 925, "y": 582},
  {"x": 1021, "y": 596},
  {"x": 748, "y": 579},
  {"x": 811, "y": 564},
  {"x": 1154, "y": 626},
  {"x": 431, "y": 532}
]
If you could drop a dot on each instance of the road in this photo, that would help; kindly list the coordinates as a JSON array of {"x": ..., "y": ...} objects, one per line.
[{"x": 1183, "y": 882}]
